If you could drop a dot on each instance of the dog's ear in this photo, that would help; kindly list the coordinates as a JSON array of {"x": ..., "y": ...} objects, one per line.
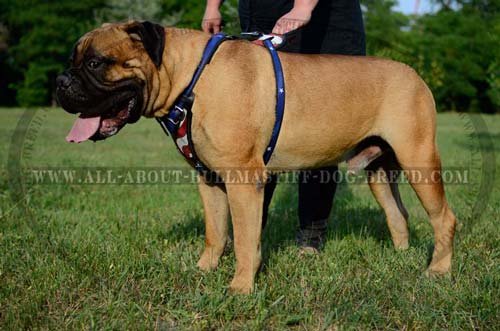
[{"x": 152, "y": 37}]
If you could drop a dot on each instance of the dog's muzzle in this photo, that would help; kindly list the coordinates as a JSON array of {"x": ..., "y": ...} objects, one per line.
[{"x": 104, "y": 110}]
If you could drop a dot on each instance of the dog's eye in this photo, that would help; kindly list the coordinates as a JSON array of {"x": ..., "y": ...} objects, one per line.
[{"x": 93, "y": 64}]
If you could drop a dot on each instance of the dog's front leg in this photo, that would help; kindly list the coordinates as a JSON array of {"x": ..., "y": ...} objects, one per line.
[
  {"x": 246, "y": 203},
  {"x": 216, "y": 208}
]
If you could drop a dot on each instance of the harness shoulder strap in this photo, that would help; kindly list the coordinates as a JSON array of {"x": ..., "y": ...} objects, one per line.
[
  {"x": 178, "y": 120},
  {"x": 212, "y": 46}
]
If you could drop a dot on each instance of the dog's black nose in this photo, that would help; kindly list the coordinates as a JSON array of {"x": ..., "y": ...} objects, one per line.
[{"x": 63, "y": 81}]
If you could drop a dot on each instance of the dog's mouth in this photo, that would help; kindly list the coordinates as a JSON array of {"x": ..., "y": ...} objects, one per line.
[{"x": 104, "y": 126}]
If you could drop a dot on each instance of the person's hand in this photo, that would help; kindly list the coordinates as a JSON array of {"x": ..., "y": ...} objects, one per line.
[
  {"x": 294, "y": 19},
  {"x": 212, "y": 21}
]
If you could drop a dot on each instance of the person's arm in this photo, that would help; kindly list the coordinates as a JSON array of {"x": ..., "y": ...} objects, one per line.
[
  {"x": 299, "y": 16},
  {"x": 212, "y": 19}
]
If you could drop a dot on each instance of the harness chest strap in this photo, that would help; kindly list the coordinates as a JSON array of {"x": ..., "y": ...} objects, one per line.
[
  {"x": 178, "y": 121},
  {"x": 280, "y": 100}
]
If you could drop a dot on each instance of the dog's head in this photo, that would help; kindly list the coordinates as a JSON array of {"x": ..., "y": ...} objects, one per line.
[{"x": 112, "y": 73}]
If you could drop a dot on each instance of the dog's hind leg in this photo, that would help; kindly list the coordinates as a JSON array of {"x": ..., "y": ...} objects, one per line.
[
  {"x": 384, "y": 186},
  {"x": 411, "y": 133},
  {"x": 216, "y": 208},
  {"x": 427, "y": 182},
  {"x": 421, "y": 165}
]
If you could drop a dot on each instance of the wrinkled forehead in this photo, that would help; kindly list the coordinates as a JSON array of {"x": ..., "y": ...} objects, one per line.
[{"x": 108, "y": 41}]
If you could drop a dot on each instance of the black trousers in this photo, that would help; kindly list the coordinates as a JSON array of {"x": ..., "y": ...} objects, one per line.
[{"x": 336, "y": 27}]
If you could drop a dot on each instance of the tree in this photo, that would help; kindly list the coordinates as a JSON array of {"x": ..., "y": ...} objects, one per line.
[
  {"x": 458, "y": 52},
  {"x": 385, "y": 30},
  {"x": 142, "y": 10},
  {"x": 485, "y": 6},
  {"x": 7, "y": 95},
  {"x": 41, "y": 36}
]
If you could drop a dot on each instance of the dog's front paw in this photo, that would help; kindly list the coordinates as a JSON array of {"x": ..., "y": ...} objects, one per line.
[
  {"x": 440, "y": 265},
  {"x": 437, "y": 271},
  {"x": 239, "y": 285},
  {"x": 209, "y": 260},
  {"x": 401, "y": 244}
]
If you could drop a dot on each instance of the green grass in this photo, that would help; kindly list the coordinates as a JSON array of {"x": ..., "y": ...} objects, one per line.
[{"x": 123, "y": 257}]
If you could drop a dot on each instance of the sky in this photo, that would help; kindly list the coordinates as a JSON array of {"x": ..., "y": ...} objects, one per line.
[{"x": 408, "y": 6}]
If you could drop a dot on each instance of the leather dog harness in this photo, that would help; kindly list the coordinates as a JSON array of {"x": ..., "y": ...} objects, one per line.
[{"x": 178, "y": 121}]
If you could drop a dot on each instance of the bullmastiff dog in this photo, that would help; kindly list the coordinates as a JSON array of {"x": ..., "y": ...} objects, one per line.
[{"x": 364, "y": 109}]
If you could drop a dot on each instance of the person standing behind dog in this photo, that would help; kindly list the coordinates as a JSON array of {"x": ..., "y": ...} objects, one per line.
[{"x": 319, "y": 27}]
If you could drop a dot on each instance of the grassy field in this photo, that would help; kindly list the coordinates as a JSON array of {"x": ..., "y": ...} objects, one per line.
[{"x": 123, "y": 257}]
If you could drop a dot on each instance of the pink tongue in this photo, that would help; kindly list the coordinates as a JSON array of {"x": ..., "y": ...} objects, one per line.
[{"x": 83, "y": 129}]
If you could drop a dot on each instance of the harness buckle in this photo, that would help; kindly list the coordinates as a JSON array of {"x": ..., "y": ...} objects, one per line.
[
  {"x": 251, "y": 36},
  {"x": 182, "y": 111}
]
